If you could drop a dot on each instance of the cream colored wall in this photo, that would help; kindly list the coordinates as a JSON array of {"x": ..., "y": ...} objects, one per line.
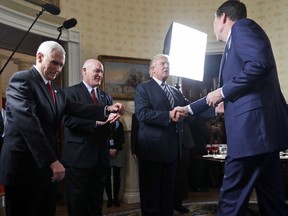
[
  {"x": 133, "y": 28},
  {"x": 136, "y": 28},
  {"x": 272, "y": 16}
]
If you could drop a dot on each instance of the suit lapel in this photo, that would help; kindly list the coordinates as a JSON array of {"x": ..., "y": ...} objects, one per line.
[
  {"x": 84, "y": 92},
  {"x": 223, "y": 59},
  {"x": 45, "y": 90},
  {"x": 174, "y": 92},
  {"x": 155, "y": 87},
  {"x": 102, "y": 99}
]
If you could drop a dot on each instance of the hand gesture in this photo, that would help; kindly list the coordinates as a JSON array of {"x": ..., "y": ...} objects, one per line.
[
  {"x": 58, "y": 171},
  {"x": 214, "y": 98},
  {"x": 220, "y": 108},
  {"x": 116, "y": 108},
  {"x": 113, "y": 117},
  {"x": 178, "y": 113},
  {"x": 113, "y": 153}
]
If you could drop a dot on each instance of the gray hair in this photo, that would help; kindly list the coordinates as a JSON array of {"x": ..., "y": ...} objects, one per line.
[
  {"x": 48, "y": 46},
  {"x": 153, "y": 61}
]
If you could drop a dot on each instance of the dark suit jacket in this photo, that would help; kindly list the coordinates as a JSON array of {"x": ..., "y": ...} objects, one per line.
[
  {"x": 134, "y": 133},
  {"x": 85, "y": 144},
  {"x": 256, "y": 118},
  {"x": 158, "y": 139},
  {"x": 32, "y": 123},
  {"x": 1, "y": 130}
]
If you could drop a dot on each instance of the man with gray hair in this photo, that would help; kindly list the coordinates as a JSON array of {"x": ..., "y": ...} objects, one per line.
[
  {"x": 29, "y": 165},
  {"x": 159, "y": 138}
]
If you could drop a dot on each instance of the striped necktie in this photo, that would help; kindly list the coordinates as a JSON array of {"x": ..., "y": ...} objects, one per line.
[{"x": 168, "y": 93}]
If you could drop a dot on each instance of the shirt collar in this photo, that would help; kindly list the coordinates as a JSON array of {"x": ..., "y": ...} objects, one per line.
[
  {"x": 44, "y": 79},
  {"x": 89, "y": 88},
  {"x": 158, "y": 81},
  {"x": 228, "y": 36}
]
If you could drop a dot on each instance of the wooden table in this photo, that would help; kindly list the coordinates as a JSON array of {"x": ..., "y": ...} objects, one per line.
[{"x": 215, "y": 168}]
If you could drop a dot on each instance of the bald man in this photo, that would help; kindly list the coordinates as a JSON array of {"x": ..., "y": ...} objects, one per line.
[{"x": 86, "y": 153}]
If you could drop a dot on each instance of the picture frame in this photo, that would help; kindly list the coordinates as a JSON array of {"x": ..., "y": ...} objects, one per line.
[
  {"x": 122, "y": 75},
  {"x": 41, "y": 2}
]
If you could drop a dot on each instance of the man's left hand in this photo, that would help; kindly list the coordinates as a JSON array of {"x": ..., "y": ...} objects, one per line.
[{"x": 214, "y": 98}]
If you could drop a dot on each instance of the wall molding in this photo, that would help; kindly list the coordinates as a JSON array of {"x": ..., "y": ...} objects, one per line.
[{"x": 46, "y": 28}]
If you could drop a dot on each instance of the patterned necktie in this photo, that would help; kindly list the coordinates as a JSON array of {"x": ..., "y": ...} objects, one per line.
[
  {"x": 93, "y": 95},
  {"x": 51, "y": 92},
  {"x": 168, "y": 93}
]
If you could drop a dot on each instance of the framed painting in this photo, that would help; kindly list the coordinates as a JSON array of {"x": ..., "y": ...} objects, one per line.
[
  {"x": 122, "y": 75},
  {"x": 41, "y": 2}
]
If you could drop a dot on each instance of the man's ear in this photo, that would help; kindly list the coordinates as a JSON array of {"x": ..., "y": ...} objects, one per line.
[
  {"x": 224, "y": 18},
  {"x": 84, "y": 70},
  {"x": 39, "y": 57}
]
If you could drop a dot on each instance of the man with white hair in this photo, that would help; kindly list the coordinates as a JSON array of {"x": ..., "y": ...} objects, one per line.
[{"x": 29, "y": 165}]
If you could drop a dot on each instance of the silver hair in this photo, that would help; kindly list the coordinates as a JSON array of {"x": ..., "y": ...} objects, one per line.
[
  {"x": 48, "y": 46},
  {"x": 153, "y": 61}
]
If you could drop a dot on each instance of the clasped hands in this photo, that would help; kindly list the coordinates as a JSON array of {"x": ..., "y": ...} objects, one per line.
[
  {"x": 115, "y": 110},
  {"x": 213, "y": 99},
  {"x": 178, "y": 113}
]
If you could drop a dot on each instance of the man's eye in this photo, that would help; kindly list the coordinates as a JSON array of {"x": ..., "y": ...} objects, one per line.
[{"x": 55, "y": 63}]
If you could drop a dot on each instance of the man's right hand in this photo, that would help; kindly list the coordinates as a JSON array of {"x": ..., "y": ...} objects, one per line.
[
  {"x": 58, "y": 171},
  {"x": 178, "y": 114}
]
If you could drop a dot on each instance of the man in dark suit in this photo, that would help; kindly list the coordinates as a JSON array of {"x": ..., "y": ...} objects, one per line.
[
  {"x": 181, "y": 182},
  {"x": 29, "y": 166},
  {"x": 86, "y": 152},
  {"x": 134, "y": 135},
  {"x": 256, "y": 118},
  {"x": 159, "y": 139}
]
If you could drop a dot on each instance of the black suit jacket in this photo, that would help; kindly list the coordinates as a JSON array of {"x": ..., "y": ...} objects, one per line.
[
  {"x": 32, "y": 123},
  {"x": 159, "y": 139},
  {"x": 84, "y": 144}
]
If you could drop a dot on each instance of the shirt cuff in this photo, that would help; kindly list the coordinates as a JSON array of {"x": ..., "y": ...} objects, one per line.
[
  {"x": 106, "y": 112},
  {"x": 221, "y": 91},
  {"x": 190, "y": 110}
]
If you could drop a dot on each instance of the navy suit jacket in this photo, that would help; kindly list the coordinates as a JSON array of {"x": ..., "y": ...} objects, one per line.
[
  {"x": 31, "y": 128},
  {"x": 256, "y": 118},
  {"x": 158, "y": 139},
  {"x": 84, "y": 144}
]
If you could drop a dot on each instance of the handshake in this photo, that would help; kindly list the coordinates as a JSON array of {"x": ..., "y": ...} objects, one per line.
[
  {"x": 213, "y": 99},
  {"x": 178, "y": 113}
]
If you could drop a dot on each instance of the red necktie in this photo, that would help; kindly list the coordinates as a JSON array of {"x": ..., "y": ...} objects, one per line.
[
  {"x": 51, "y": 92},
  {"x": 93, "y": 95}
]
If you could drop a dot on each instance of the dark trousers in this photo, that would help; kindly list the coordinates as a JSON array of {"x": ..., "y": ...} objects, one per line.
[
  {"x": 181, "y": 183},
  {"x": 242, "y": 175},
  {"x": 85, "y": 188},
  {"x": 116, "y": 183},
  {"x": 156, "y": 183},
  {"x": 197, "y": 174},
  {"x": 33, "y": 201}
]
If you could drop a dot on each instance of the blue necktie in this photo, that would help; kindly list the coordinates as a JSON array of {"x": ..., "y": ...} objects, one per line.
[{"x": 168, "y": 93}]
